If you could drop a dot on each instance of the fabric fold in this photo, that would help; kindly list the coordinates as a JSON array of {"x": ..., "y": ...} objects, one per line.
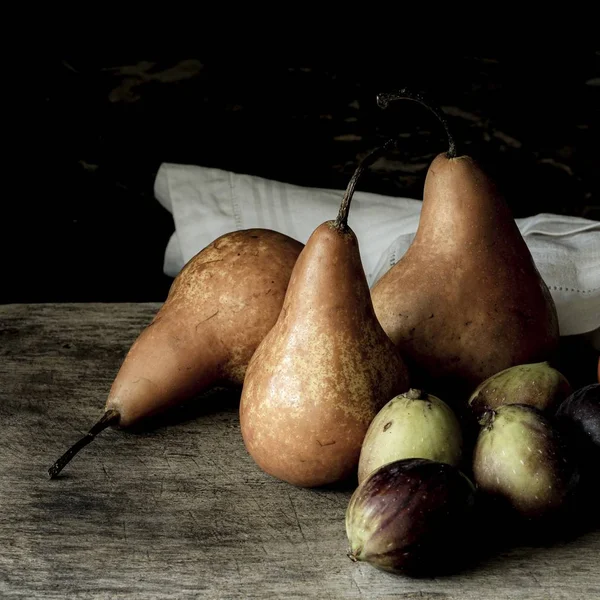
[{"x": 207, "y": 202}]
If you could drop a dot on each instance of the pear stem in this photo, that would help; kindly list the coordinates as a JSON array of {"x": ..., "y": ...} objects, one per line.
[
  {"x": 107, "y": 419},
  {"x": 383, "y": 100},
  {"x": 341, "y": 223}
]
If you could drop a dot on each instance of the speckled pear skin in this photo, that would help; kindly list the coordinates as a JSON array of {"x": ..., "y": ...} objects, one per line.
[
  {"x": 219, "y": 308},
  {"x": 466, "y": 300},
  {"x": 323, "y": 372}
]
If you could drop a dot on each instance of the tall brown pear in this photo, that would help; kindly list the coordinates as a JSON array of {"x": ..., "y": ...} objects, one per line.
[
  {"x": 323, "y": 372},
  {"x": 466, "y": 300}
]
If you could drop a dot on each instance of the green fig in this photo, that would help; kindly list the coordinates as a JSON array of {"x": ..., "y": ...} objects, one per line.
[
  {"x": 521, "y": 459},
  {"x": 412, "y": 516},
  {"x": 534, "y": 384},
  {"x": 411, "y": 425}
]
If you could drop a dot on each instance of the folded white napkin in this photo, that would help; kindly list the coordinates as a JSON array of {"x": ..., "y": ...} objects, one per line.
[{"x": 206, "y": 203}]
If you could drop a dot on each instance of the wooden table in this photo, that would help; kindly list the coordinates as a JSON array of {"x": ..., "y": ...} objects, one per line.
[{"x": 180, "y": 510}]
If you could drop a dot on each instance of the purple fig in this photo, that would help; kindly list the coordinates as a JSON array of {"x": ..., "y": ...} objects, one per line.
[
  {"x": 579, "y": 417},
  {"x": 410, "y": 516}
]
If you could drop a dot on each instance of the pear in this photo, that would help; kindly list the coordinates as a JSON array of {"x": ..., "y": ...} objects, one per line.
[
  {"x": 219, "y": 308},
  {"x": 466, "y": 300},
  {"x": 325, "y": 369}
]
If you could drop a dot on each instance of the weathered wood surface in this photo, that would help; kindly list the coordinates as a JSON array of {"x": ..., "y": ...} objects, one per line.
[{"x": 180, "y": 510}]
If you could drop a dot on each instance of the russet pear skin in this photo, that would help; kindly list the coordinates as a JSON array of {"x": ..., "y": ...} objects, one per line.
[
  {"x": 466, "y": 300},
  {"x": 219, "y": 308},
  {"x": 323, "y": 372}
]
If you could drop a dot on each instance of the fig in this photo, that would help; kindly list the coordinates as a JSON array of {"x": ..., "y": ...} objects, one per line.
[
  {"x": 579, "y": 418},
  {"x": 411, "y": 425},
  {"x": 521, "y": 459},
  {"x": 535, "y": 384},
  {"x": 411, "y": 517}
]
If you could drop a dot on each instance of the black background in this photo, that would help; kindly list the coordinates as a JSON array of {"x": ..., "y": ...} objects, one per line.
[{"x": 90, "y": 228}]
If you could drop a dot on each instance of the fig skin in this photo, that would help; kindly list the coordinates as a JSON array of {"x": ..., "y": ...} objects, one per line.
[
  {"x": 534, "y": 384},
  {"x": 411, "y": 425},
  {"x": 578, "y": 416},
  {"x": 411, "y": 517},
  {"x": 521, "y": 460}
]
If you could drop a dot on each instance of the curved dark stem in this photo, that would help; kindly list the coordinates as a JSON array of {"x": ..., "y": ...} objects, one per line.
[
  {"x": 341, "y": 223},
  {"x": 107, "y": 419},
  {"x": 383, "y": 100}
]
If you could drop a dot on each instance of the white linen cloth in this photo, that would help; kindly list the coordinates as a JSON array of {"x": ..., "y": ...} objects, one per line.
[{"x": 206, "y": 203}]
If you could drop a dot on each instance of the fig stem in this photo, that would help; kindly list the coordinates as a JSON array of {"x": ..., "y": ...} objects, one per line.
[
  {"x": 414, "y": 394},
  {"x": 487, "y": 419},
  {"x": 107, "y": 419},
  {"x": 384, "y": 99},
  {"x": 341, "y": 223},
  {"x": 354, "y": 553}
]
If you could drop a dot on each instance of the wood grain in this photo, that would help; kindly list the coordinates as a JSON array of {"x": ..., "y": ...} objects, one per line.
[{"x": 179, "y": 510}]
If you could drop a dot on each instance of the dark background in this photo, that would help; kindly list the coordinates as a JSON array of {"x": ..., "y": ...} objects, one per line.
[{"x": 104, "y": 125}]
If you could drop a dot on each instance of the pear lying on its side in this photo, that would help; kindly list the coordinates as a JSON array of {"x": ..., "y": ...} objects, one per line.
[{"x": 219, "y": 308}]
